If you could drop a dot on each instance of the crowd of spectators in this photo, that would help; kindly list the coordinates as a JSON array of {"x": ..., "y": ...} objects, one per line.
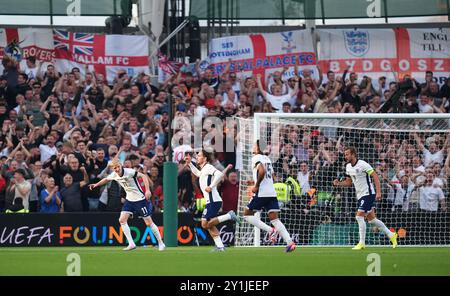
[
  {"x": 60, "y": 128},
  {"x": 414, "y": 167}
]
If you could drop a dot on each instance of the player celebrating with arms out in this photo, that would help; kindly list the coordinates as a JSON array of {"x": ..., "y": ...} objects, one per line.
[
  {"x": 136, "y": 200},
  {"x": 265, "y": 197},
  {"x": 358, "y": 172},
  {"x": 209, "y": 178}
]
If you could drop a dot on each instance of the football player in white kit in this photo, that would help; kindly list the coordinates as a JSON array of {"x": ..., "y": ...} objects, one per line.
[
  {"x": 136, "y": 200},
  {"x": 265, "y": 197},
  {"x": 358, "y": 173},
  {"x": 209, "y": 178}
]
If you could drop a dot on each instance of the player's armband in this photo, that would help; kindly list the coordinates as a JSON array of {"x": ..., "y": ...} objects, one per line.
[{"x": 370, "y": 171}]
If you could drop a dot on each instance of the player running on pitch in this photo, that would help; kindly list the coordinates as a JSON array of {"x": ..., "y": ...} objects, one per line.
[
  {"x": 265, "y": 197},
  {"x": 209, "y": 178},
  {"x": 136, "y": 200},
  {"x": 358, "y": 172}
]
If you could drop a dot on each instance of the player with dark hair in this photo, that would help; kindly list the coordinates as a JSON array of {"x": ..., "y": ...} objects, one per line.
[
  {"x": 209, "y": 178},
  {"x": 358, "y": 173},
  {"x": 265, "y": 197}
]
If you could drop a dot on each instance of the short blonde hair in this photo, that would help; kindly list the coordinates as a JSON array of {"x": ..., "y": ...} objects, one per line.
[{"x": 114, "y": 162}]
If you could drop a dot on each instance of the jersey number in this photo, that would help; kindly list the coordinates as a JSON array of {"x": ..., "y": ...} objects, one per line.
[
  {"x": 269, "y": 170},
  {"x": 124, "y": 184}
]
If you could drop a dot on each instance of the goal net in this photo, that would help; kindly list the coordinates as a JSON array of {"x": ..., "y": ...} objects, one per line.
[{"x": 410, "y": 153}]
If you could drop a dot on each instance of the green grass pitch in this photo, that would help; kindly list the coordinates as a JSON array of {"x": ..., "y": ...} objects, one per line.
[{"x": 196, "y": 261}]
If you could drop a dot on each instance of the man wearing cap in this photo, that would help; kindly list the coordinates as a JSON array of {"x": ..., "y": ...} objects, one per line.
[{"x": 181, "y": 107}]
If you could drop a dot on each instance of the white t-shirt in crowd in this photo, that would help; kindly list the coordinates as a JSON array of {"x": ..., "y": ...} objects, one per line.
[
  {"x": 303, "y": 179},
  {"x": 424, "y": 108},
  {"x": 403, "y": 195},
  {"x": 135, "y": 138},
  {"x": 47, "y": 152},
  {"x": 429, "y": 198},
  {"x": 432, "y": 157},
  {"x": 278, "y": 101},
  {"x": 420, "y": 169},
  {"x": 25, "y": 198},
  {"x": 31, "y": 72}
]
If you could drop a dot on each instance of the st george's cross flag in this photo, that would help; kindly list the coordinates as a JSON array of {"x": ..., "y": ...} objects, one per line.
[
  {"x": 263, "y": 53},
  {"x": 29, "y": 42},
  {"x": 105, "y": 54},
  {"x": 379, "y": 52}
]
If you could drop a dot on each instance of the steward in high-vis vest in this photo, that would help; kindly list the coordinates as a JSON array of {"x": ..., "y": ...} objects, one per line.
[
  {"x": 287, "y": 190},
  {"x": 289, "y": 193},
  {"x": 200, "y": 204}
]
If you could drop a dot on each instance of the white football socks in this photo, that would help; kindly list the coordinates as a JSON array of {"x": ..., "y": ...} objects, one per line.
[
  {"x": 362, "y": 229},
  {"x": 155, "y": 231},
  {"x": 127, "y": 232},
  {"x": 218, "y": 241},
  {"x": 258, "y": 223},
  {"x": 224, "y": 218},
  {"x": 281, "y": 230},
  {"x": 380, "y": 225}
]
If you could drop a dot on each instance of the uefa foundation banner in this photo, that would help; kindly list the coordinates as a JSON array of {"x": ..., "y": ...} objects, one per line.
[
  {"x": 97, "y": 229},
  {"x": 378, "y": 52},
  {"x": 79, "y": 229},
  {"x": 106, "y": 54},
  {"x": 263, "y": 53}
]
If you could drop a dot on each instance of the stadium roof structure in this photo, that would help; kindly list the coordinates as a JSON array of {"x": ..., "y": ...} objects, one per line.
[
  {"x": 65, "y": 8},
  {"x": 316, "y": 9}
]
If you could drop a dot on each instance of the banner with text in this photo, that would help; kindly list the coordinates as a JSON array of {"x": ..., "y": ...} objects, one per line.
[
  {"x": 379, "y": 52},
  {"x": 106, "y": 54},
  {"x": 263, "y": 53},
  {"x": 84, "y": 229},
  {"x": 98, "y": 229},
  {"x": 25, "y": 42}
]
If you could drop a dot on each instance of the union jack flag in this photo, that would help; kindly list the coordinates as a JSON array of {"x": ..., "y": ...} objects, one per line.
[
  {"x": 74, "y": 43},
  {"x": 169, "y": 67}
]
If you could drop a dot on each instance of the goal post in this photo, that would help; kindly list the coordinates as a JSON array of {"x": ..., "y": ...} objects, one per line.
[{"x": 408, "y": 151}]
